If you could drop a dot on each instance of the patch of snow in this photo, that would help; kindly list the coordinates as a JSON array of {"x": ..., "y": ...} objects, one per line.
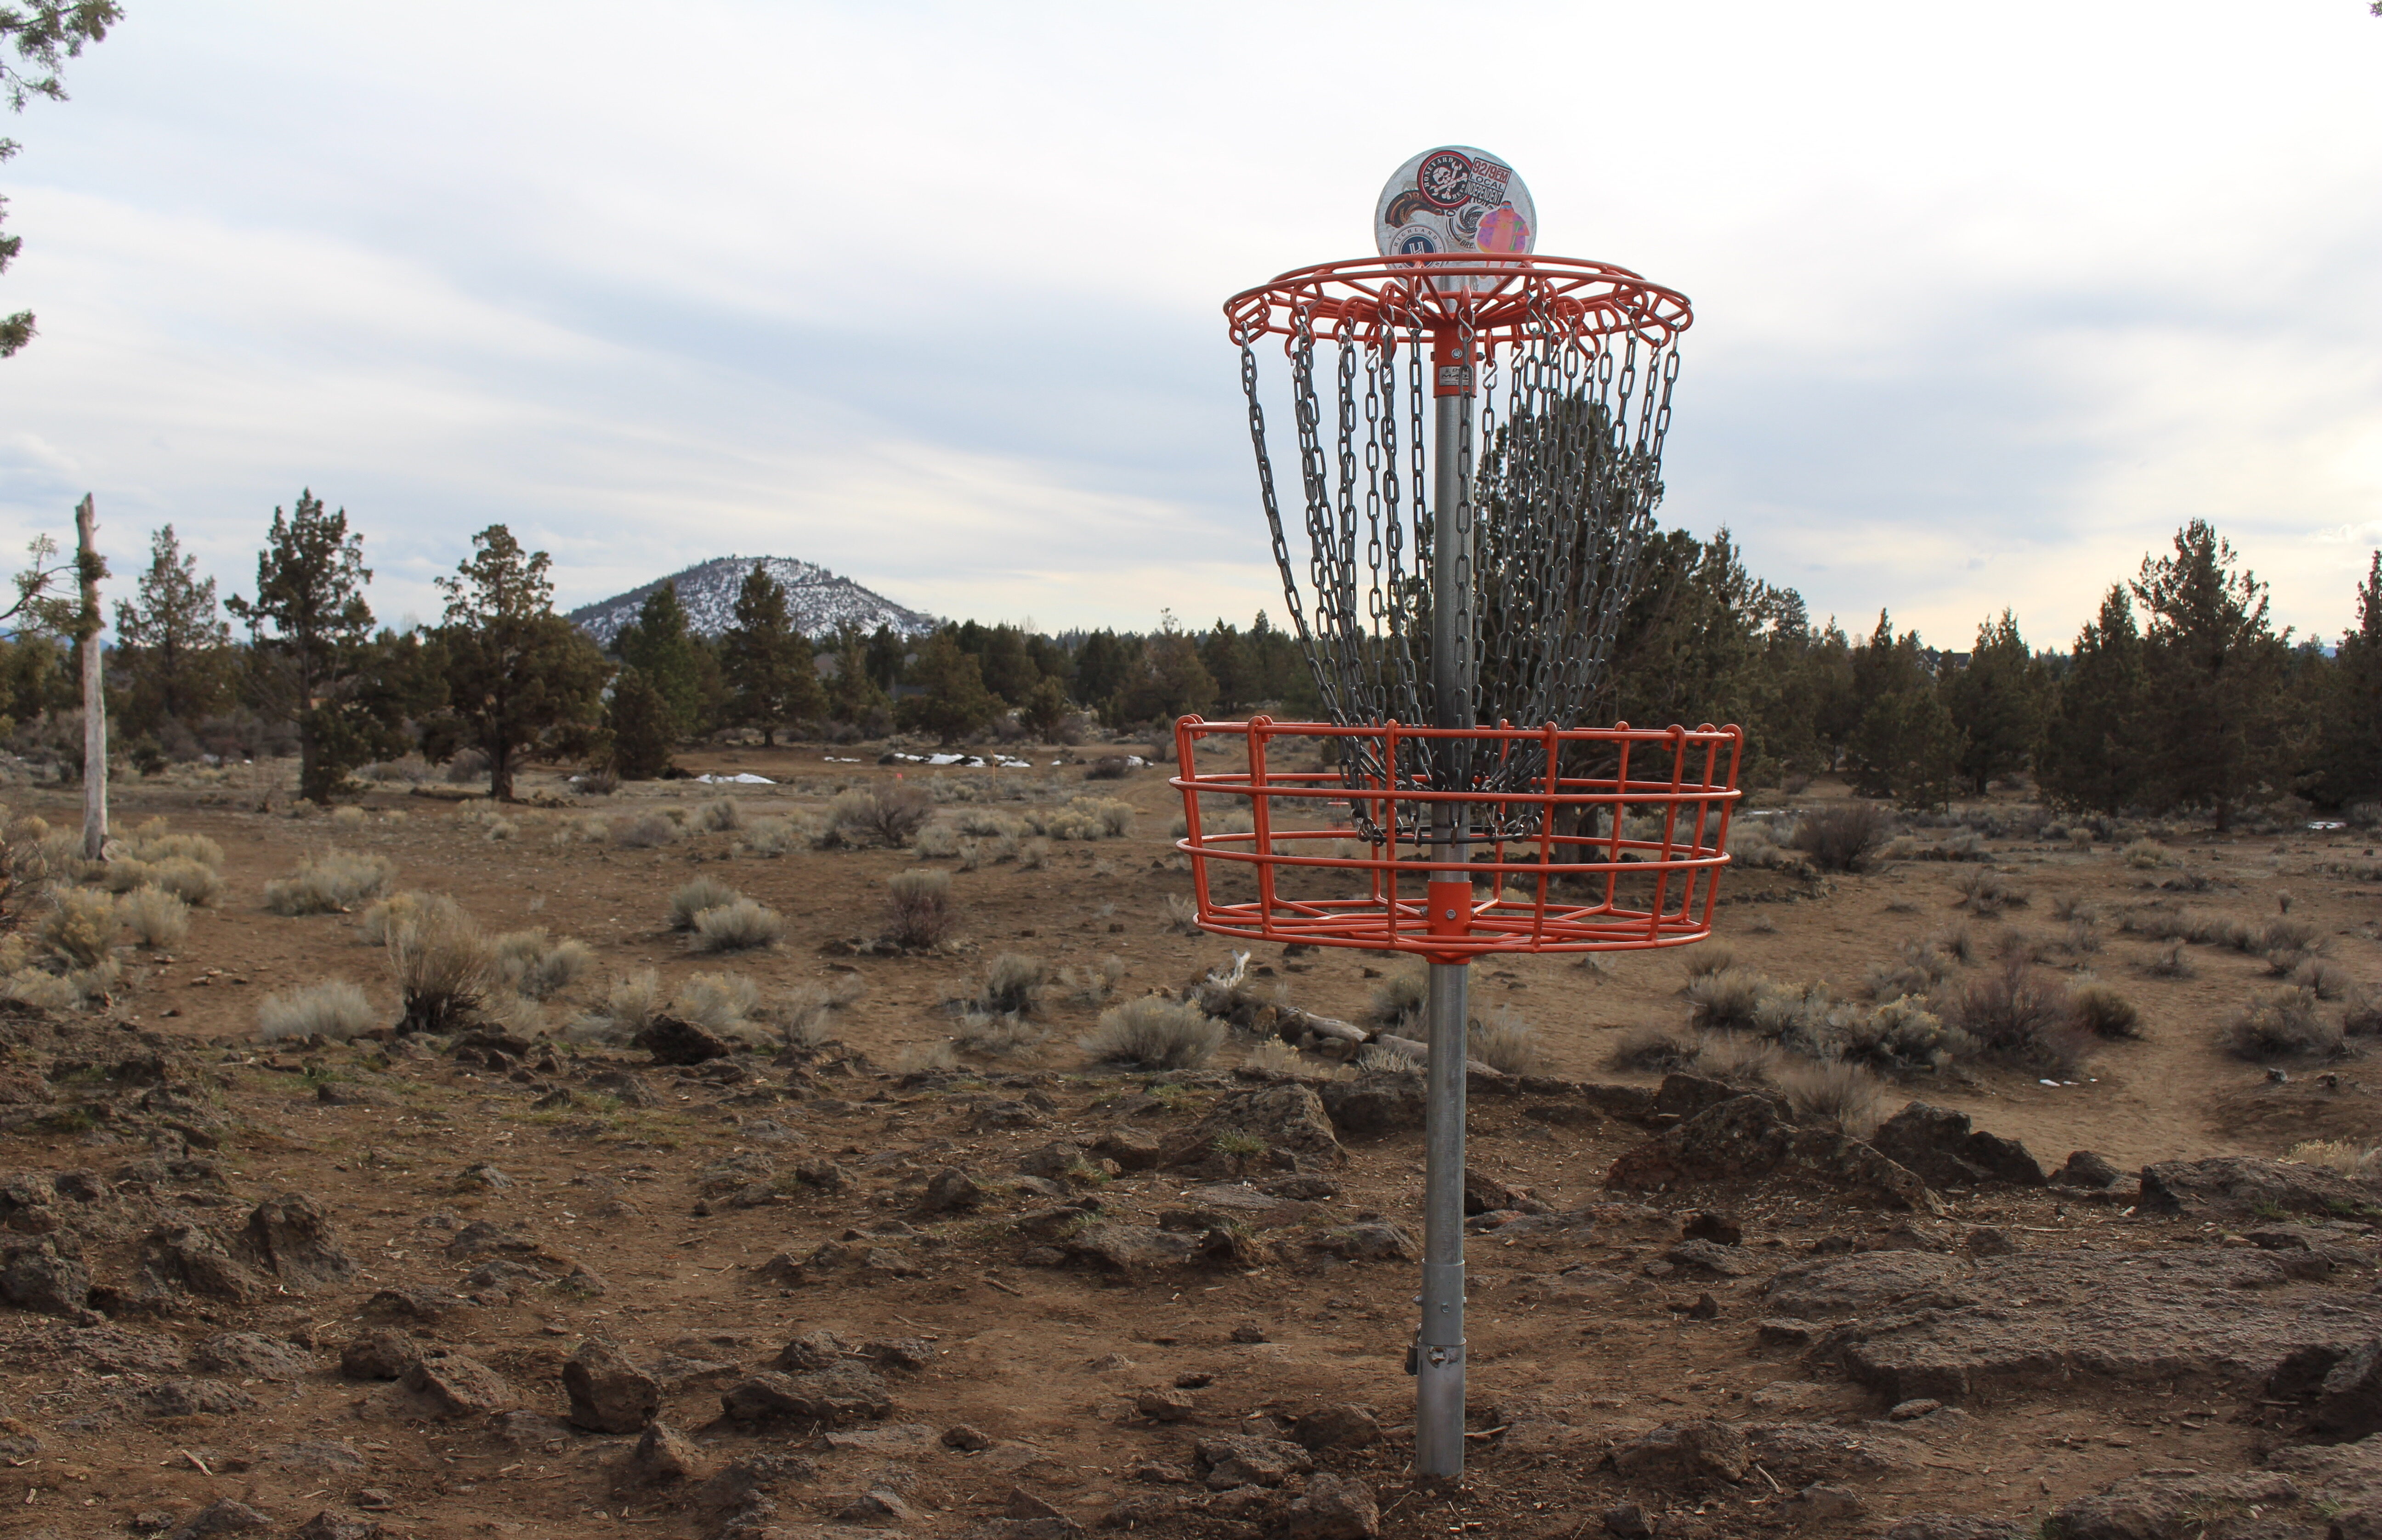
[{"x": 742, "y": 779}]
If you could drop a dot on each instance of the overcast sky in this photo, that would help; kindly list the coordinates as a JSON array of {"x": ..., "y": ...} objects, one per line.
[{"x": 1988, "y": 299}]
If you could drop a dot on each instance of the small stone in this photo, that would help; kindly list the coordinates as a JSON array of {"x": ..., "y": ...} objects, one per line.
[
  {"x": 663, "y": 1456},
  {"x": 1248, "y": 1332},
  {"x": 1628, "y": 1522},
  {"x": 1165, "y": 1406},
  {"x": 372, "y": 1499},
  {"x": 1333, "y": 1508},
  {"x": 1709, "y": 1225},
  {"x": 2086, "y": 1169},
  {"x": 953, "y": 1191},
  {"x": 810, "y": 1352},
  {"x": 251, "y": 1355},
  {"x": 1706, "y": 1308},
  {"x": 224, "y": 1517},
  {"x": 1904, "y": 1411},
  {"x": 1711, "y": 1257},
  {"x": 1336, "y": 1427},
  {"x": 379, "y": 1355},
  {"x": 836, "y": 1395},
  {"x": 1818, "y": 1504},
  {"x": 1236, "y": 1460},
  {"x": 327, "y": 1525},
  {"x": 960, "y": 1436},
  {"x": 876, "y": 1505},
  {"x": 1021, "y": 1504},
  {"x": 608, "y": 1394},
  {"x": 460, "y": 1387},
  {"x": 482, "y": 1177},
  {"x": 1987, "y": 1240}
]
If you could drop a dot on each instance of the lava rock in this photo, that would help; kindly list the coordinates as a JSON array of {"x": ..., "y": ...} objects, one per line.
[
  {"x": 1951, "y": 1526},
  {"x": 1133, "y": 1149},
  {"x": 1336, "y": 1427},
  {"x": 843, "y": 1393},
  {"x": 189, "y": 1257},
  {"x": 2094, "y": 1172},
  {"x": 953, "y": 1191},
  {"x": 2242, "y": 1182},
  {"x": 1727, "y": 1261},
  {"x": 662, "y": 1457},
  {"x": 676, "y": 1042},
  {"x": 1333, "y": 1508},
  {"x": 222, "y": 1517},
  {"x": 379, "y": 1355},
  {"x": 327, "y": 1525},
  {"x": 1236, "y": 1460},
  {"x": 1943, "y": 1149},
  {"x": 1166, "y": 1406},
  {"x": 608, "y": 1394},
  {"x": 1485, "y": 1194},
  {"x": 460, "y": 1387},
  {"x": 965, "y": 1439},
  {"x": 1374, "y": 1242},
  {"x": 39, "y": 1276},
  {"x": 290, "y": 1236},
  {"x": 251, "y": 1355},
  {"x": 1374, "y": 1104},
  {"x": 1689, "y": 1455},
  {"x": 1286, "y": 1117},
  {"x": 1130, "y": 1248},
  {"x": 1722, "y": 1229}
]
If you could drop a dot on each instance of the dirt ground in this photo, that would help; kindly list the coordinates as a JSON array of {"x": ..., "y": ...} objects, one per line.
[{"x": 497, "y": 1211}]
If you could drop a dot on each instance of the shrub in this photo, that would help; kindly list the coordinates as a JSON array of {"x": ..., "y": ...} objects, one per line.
[
  {"x": 1917, "y": 971},
  {"x": 537, "y": 967},
  {"x": 1956, "y": 943},
  {"x": 2281, "y": 1023},
  {"x": 720, "y": 815},
  {"x": 1154, "y": 1032},
  {"x": 1093, "y": 986},
  {"x": 806, "y": 1011},
  {"x": 1108, "y": 768},
  {"x": 1381, "y": 1058},
  {"x": 1738, "y": 1060},
  {"x": 1843, "y": 837},
  {"x": 162, "y": 846},
  {"x": 442, "y": 963},
  {"x": 334, "y": 1011},
  {"x": 2286, "y": 935},
  {"x": 382, "y": 920},
  {"x": 2103, "y": 1013},
  {"x": 644, "y": 831},
  {"x": 468, "y": 765},
  {"x": 995, "y": 1034},
  {"x": 1842, "y": 1095},
  {"x": 155, "y": 918},
  {"x": 2170, "y": 962},
  {"x": 742, "y": 926},
  {"x": 2328, "y": 980},
  {"x": 332, "y": 883},
  {"x": 918, "y": 911},
  {"x": 1650, "y": 1051},
  {"x": 1182, "y": 915},
  {"x": 1033, "y": 854},
  {"x": 82, "y": 926},
  {"x": 1012, "y": 986},
  {"x": 1273, "y": 1056},
  {"x": 2143, "y": 854},
  {"x": 601, "y": 781},
  {"x": 937, "y": 842},
  {"x": 1710, "y": 958},
  {"x": 630, "y": 1006},
  {"x": 2021, "y": 1016},
  {"x": 925, "y": 1058},
  {"x": 1984, "y": 892},
  {"x": 2362, "y": 1017},
  {"x": 2348, "y": 1158},
  {"x": 1507, "y": 1043},
  {"x": 1724, "y": 1001},
  {"x": 721, "y": 1004},
  {"x": 890, "y": 813},
  {"x": 1398, "y": 1000},
  {"x": 348, "y": 817},
  {"x": 691, "y": 899},
  {"x": 1897, "y": 1036}
]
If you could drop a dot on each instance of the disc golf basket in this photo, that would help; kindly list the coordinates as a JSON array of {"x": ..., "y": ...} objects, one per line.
[{"x": 1457, "y": 577}]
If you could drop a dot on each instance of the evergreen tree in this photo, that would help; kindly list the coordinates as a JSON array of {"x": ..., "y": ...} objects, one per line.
[
  {"x": 887, "y": 654},
  {"x": 516, "y": 672},
  {"x": 1170, "y": 680},
  {"x": 2089, "y": 759},
  {"x": 854, "y": 695},
  {"x": 657, "y": 645},
  {"x": 310, "y": 641},
  {"x": 1046, "y": 711},
  {"x": 1277, "y": 670},
  {"x": 642, "y": 726},
  {"x": 952, "y": 700},
  {"x": 2213, "y": 675},
  {"x": 44, "y": 34},
  {"x": 1102, "y": 664},
  {"x": 1227, "y": 662},
  {"x": 172, "y": 643},
  {"x": 771, "y": 679},
  {"x": 2346, "y": 761},
  {"x": 1997, "y": 702},
  {"x": 1007, "y": 665}
]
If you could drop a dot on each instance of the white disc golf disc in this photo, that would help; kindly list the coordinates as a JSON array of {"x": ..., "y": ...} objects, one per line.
[{"x": 1454, "y": 199}]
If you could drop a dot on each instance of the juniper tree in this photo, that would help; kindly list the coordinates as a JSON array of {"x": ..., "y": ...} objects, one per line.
[
  {"x": 44, "y": 33},
  {"x": 657, "y": 645},
  {"x": 517, "y": 673},
  {"x": 173, "y": 645},
  {"x": 2212, "y": 671},
  {"x": 771, "y": 680},
  {"x": 855, "y": 693},
  {"x": 952, "y": 700},
  {"x": 2090, "y": 758},
  {"x": 1996, "y": 701},
  {"x": 643, "y": 727},
  {"x": 2346, "y": 764}
]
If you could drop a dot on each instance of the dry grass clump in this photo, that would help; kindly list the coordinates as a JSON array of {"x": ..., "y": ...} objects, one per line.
[
  {"x": 2330, "y": 981},
  {"x": 1182, "y": 915},
  {"x": 742, "y": 926},
  {"x": 937, "y": 842},
  {"x": 891, "y": 814},
  {"x": 994, "y": 1035},
  {"x": 1505, "y": 1043},
  {"x": 2145, "y": 853},
  {"x": 382, "y": 920},
  {"x": 2281, "y": 1023},
  {"x": 773, "y": 837},
  {"x": 1726, "y": 1001},
  {"x": 348, "y": 817},
  {"x": 630, "y": 1006},
  {"x": 443, "y": 966},
  {"x": 644, "y": 831},
  {"x": 1093, "y": 987},
  {"x": 720, "y": 815},
  {"x": 926, "y": 1058},
  {"x": 1398, "y": 1000},
  {"x": 2170, "y": 963},
  {"x": 1650, "y": 1051},
  {"x": 1383, "y": 1059},
  {"x": 2362, "y": 1017},
  {"x": 1154, "y": 1032},
  {"x": 1985, "y": 892},
  {"x": 192, "y": 881},
  {"x": 918, "y": 910},
  {"x": 334, "y": 1011},
  {"x": 1919, "y": 969},
  {"x": 332, "y": 883},
  {"x": 2103, "y": 1013},
  {"x": 1843, "y": 837},
  {"x": 1085, "y": 818},
  {"x": 1842, "y": 1095},
  {"x": 80, "y": 926},
  {"x": 721, "y": 1004},
  {"x": 691, "y": 899},
  {"x": 1710, "y": 958},
  {"x": 1272, "y": 1056},
  {"x": 804, "y": 1015},
  {"x": 2348, "y": 1158},
  {"x": 536, "y": 967},
  {"x": 1014, "y": 985},
  {"x": 1753, "y": 842},
  {"x": 155, "y": 918},
  {"x": 2020, "y": 1015}
]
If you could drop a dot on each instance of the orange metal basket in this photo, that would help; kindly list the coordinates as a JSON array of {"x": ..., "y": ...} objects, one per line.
[{"x": 1626, "y": 856}]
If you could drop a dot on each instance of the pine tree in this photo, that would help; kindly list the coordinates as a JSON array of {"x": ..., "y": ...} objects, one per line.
[
  {"x": 658, "y": 646},
  {"x": 516, "y": 672},
  {"x": 1168, "y": 680},
  {"x": 172, "y": 643},
  {"x": 1046, "y": 711},
  {"x": 1996, "y": 701},
  {"x": 766, "y": 662},
  {"x": 643, "y": 727},
  {"x": 2346, "y": 766},
  {"x": 310, "y": 640},
  {"x": 952, "y": 700},
  {"x": 2212, "y": 673},
  {"x": 1227, "y": 662},
  {"x": 2090, "y": 758},
  {"x": 1007, "y": 665}
]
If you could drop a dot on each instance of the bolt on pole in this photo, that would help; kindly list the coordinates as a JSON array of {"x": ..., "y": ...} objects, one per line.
[{"x": 1439, "y": 1346}]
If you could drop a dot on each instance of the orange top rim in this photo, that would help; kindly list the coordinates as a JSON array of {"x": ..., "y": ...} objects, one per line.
[{"x": 1372, "y": 299}]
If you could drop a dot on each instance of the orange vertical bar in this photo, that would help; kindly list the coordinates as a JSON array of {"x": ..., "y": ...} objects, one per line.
[{"x": 1262, "y": 821}]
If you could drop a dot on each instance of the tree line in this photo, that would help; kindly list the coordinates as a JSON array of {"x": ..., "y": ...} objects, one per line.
[{"x": 2179, "y": 694}]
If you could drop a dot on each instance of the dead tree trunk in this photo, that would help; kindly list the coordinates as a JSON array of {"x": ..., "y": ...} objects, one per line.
[{"x": 94, "y": 691}]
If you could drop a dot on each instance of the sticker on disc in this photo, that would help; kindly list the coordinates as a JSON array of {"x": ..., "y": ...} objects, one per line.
[{"x": 1455, "y": 199}]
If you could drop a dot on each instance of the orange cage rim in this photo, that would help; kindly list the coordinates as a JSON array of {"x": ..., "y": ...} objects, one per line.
[
  {"x": 1622, "y": 860},
  {"x": 1499, "y": 298}
]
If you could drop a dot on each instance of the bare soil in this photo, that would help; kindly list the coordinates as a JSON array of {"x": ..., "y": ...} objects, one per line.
[{"x": 624, "y": 1225}]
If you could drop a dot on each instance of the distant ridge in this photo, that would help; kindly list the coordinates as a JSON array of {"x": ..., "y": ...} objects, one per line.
[{"x": 819, "y": 600}]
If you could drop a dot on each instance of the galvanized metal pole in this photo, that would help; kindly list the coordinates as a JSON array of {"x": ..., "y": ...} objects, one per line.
[{"x": 1439, "y": 1355}]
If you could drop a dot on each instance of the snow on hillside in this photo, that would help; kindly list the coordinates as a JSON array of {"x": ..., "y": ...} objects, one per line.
[{"x": 819, "y": 600}]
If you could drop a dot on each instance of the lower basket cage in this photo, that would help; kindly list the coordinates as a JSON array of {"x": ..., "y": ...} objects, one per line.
[{"x": 1322, "y": 836}]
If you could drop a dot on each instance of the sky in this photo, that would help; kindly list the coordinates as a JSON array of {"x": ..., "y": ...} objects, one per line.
[{"x": 1988, "y": 300}]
